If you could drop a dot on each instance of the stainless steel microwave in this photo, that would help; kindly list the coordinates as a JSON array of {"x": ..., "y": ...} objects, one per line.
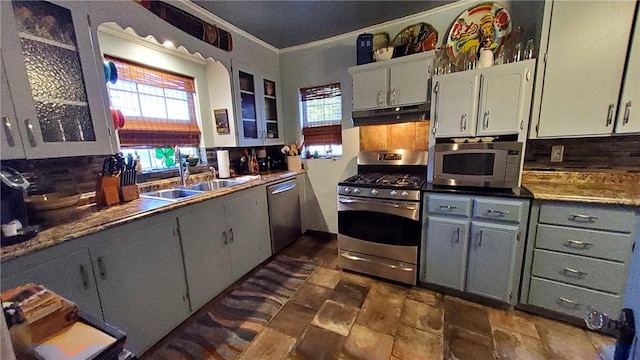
[{"x": 495, "y": 164}]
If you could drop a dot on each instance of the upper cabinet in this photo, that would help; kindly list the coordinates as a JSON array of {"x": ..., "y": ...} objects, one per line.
[
  {"x": 395, "y": 82},
  {"x": 258, "y": 112},
  {"x": 55, "y": 82},
  {"x": 628, "y": 119},
  {"x": 10, "y": 134},
  {"x": 483, "y": 102},
  {"x": 578, "y": 84}
]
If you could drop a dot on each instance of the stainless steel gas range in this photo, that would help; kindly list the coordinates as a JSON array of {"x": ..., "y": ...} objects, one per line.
[{"x": 379, "y": 214}]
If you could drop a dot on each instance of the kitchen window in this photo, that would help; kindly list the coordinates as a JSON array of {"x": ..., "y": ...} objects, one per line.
[
  {"x": 321, "y": 113},
  {"x": 158, "y": 106}
]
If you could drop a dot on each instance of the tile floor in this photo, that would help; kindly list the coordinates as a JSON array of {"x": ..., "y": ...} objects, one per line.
[{"x": 343, "y": 315}]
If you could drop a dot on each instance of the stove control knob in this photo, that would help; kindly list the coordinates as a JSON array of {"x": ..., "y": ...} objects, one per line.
[
  {"x": 347, "y": 190},
  {"x": 393, "y": 193},
  {"x": 356, "y": 191},
  {"x": 404, "y": 194},
  {"x": 374, "y": 192}
]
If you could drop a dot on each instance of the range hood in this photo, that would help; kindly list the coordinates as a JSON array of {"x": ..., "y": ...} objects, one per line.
[{"x": 391, "y": 115}]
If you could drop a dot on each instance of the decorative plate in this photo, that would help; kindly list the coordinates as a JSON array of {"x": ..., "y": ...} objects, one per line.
[
  {"x": 490, "y": 21},
  {"x": 414, "y": 39}
]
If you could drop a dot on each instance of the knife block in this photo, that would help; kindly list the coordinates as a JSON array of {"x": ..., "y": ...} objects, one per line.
[
  {"x": 129, "y": 192},
  {"x": 107, "y": 190}
]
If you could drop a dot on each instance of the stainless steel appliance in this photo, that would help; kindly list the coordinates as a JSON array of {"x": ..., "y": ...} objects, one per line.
[
  {"x": 284, "y": 213},
  {"x": 379, "y": 214},
  {"x": 494, "y": 164}
]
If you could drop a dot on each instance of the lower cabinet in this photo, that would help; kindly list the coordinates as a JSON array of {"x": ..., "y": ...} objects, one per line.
[
  {"x": 474, "y": 244},
  {"x": 140, "y": 276},
  {"x": 222, "y": 240},
  {"x": 69, "y": 275}
]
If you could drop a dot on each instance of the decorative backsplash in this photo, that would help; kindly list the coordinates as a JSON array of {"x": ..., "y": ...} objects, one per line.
[
  {"x": 410, "y": 135},
  {"x": 619, "y": 152}
]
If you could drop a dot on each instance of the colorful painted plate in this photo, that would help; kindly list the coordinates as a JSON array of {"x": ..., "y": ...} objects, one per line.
[{"x": 485, "y": 21}]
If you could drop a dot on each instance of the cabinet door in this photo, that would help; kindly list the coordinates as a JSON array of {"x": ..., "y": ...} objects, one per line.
[
  {"x": 503, "y": 98},
  {"x": 56, "y": 85},
  {"x": 248, "y": 92},
  {"x": 141, "y": 280},
  {"x": 409, "y": 82},
  {"x": 204, "y": 247},
  {"x": 582, "y": 80},
  {"x": 272, "y": 132},
  {"x": 248, "y": 228},
  {"x": 628, "y": 120},
  {"x": 446, "y": 252},
  {"x": 491, "y": 260},
  {"x": 370, "y": 88},
  {"x": 10, "y": 134},
  {"x": 455, "y": 105},
  {"x": 71, "y": 277}
]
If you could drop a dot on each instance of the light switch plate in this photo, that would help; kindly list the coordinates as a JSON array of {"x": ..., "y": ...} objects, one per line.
[{"x": 557, "y": 153}]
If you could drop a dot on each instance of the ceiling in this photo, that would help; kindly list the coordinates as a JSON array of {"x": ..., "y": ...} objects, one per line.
[{"x": 289, "y": 23}]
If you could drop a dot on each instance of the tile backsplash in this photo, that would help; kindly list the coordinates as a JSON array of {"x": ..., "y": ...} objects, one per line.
[
  {"x": 613, "y": 152},
  {"x": 409, "y": 135}
]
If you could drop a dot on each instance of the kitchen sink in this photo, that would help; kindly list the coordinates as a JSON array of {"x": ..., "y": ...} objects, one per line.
[
  {"x": 214, "y": 184},
  {"x": 173, "y": 194}
]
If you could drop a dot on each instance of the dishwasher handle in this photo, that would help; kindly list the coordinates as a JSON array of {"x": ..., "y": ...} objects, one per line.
[{"x": 284, "y": 189}]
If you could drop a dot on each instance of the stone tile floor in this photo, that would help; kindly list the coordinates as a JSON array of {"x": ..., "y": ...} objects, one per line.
[{"x": 338, "y": 314}]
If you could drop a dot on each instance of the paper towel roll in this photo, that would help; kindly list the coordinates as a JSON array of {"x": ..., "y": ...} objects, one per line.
[{"x": 223, "y": 163}]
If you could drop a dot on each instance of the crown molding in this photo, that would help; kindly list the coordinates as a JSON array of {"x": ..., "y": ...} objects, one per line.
[
  {"x": 381, "y": 26},
  {"x": 204, "y": 14}
]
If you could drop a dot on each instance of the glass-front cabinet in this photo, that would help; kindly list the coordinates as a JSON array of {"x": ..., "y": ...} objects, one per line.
[
  {"x": 55, "y": 82},
  {"x": 257, "y": 105}
]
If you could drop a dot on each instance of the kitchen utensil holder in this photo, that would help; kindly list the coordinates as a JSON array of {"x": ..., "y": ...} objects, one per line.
[
  {"x": 107, "y": 190},
  {"x": 129, "y": 192}
]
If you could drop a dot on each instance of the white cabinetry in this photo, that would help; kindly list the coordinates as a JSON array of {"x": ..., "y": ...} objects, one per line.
[
  {"x": 395, "y": 82},
  {"x": 483, "y": 102},
  {"x": 11, "y": 145},
  {"x": 578, "y": 84},
  {"x": 55, "y": 80},
  {"x": 140, "y": 276},
  {"x": 474, "y": 244},
  {"x": 258, "y": 112},
  {"x": 222, "y": 240},
  {"x": 628, "y": 119}
]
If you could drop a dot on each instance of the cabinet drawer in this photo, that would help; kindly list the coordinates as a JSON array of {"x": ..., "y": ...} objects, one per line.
[
  {"x": 446, "y": 204},
  {"x": 588, "y": 217},
  {"x": 578, "y": 270},
  {"x": 498, "y": 209},
  {"x": 571, "y": 300},
  {"x": 600, "y": 244}
]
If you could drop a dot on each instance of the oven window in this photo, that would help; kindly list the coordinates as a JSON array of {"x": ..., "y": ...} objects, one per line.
[
  {"x": 378, "y": 227},
  {"x": 468, "y": 164}
]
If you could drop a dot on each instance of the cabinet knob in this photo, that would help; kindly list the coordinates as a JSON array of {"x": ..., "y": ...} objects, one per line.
[
  {"x": 463, "y": 122},
  {"x": 31, "y": 133},
  {"x": 610, "y": 114},
  {"x": 230, "y": 234},
  {"x": 485, "y": 122},
  {"x": 627, "y": 112},
  {"x": 84, "y": 276},
  {"x": 7, "y": 131}
]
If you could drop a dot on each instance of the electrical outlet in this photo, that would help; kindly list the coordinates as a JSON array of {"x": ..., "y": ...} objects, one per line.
[{"x": 557, "y": 152}]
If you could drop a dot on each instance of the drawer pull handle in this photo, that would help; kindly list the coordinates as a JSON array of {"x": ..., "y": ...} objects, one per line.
[
  {"x": 497, "y": 212},
  {"x": 583, "y": 218},
  {"x": 578, "y": 243},
  {"x": 448, "y": 207},
  {"x": 577, "y": 273},
  {"x": 568, "y": 301}
]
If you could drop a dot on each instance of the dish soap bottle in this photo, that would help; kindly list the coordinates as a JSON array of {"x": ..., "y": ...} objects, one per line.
[{"x": 254, "y": 167}]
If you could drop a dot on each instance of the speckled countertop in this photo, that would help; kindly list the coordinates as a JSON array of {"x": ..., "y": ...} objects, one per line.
[
  {"x": 606, "y": 187},
  {"x": 93, "y": 219}
]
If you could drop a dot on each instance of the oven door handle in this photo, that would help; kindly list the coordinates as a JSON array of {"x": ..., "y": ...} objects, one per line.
[
  {"x": 346, "y": 255},
  {"x": 378, "y": 202}
]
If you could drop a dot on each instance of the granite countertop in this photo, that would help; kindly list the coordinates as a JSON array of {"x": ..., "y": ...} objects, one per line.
[
  {"x": 93, "y": 220},
  {"x": 606, "y": 187}
]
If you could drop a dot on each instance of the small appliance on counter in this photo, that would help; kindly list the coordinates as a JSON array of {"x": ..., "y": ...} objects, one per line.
[{"x": 15, "y": 222}]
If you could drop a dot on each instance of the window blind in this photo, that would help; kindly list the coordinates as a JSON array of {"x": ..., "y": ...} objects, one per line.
[
  {"x": 322, "y": 114},
  {"x": 155, "y": 130}
]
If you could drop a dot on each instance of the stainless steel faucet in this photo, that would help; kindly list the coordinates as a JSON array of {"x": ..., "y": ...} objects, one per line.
[
  {"x": 183, "y": 169},
  {"x": 214, "y": 172}
]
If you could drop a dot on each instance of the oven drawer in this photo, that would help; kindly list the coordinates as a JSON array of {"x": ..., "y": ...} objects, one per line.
[
  {"x": 578, "y": 270},
  {"x": 593, "y": 243},
  {"x": 591, "y": 217},
  {"x": 571, "y": 300},
  {"x": 450, "y": 205},
  {"x": 506, "y": 210},
  {"x": 377, "y": 266}
]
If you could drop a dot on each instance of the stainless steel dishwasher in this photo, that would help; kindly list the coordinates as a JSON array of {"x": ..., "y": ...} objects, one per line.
[{"x": 284, "y": 213}]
